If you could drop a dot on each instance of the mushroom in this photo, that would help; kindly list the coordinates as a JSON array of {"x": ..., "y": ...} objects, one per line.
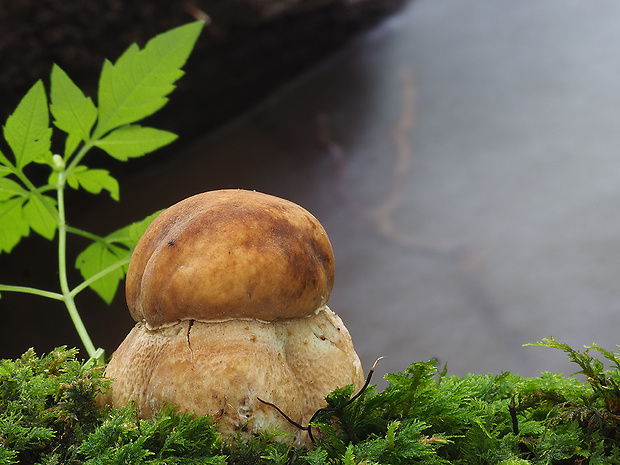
[{"x": 229, "y": 291}]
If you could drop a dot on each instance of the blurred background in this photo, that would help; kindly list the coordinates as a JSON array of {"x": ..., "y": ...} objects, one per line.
[{"x": 462, "y": 156}]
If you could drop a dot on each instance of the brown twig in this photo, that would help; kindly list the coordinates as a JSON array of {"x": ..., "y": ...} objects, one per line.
[
  {"x": 512, "y": 409},
  {"x": 324, "y": 409}
]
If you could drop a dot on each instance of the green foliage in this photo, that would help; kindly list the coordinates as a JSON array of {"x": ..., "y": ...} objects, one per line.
[
  {"x": 47, "y": 406},
  {"x": 426, "y": 417},
  {"x": 132, "y": 88},
  {"x": 104, "y": 255},
  {"x": 606, "y": 383},
  {"x": 48, "y": 415},
  {"x": 169, "y": 438}
]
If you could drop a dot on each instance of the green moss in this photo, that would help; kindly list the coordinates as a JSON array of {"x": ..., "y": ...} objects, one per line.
[{"x": 48, "y": 416}]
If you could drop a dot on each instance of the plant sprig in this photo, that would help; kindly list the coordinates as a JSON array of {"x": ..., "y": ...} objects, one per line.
[
  {"x": 604, "y": 382},
  {"x": 132, "y": 88}
]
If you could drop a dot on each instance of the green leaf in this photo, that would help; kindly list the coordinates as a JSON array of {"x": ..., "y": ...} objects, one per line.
[
  {"x": 39, "y": 216},
  {"x": 10, "y": 189},
  {"x": 27, "y": 130},
  {"x": 73, "y": 112},
  {"x": 93, "y": 181},
  {"x": 136, "y": 86},
  {"x": 137, "y": 229},
  {"x": 45, "y": 158},
  {"x": 97, "y": 257},
  {"x": 12, "y": 224},
  {"x": 134, "y": 141},
  {"x": 71, "y": 144},
  {"x": 5, "y": 164},
  {"x": 115, "y": 247}
]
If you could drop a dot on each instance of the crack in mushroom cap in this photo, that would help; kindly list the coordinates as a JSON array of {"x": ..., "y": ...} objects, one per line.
[{"x": 230, "y": 254}]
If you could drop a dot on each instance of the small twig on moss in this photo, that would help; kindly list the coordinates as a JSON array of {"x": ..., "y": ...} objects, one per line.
[
  {"x": 324, "y": 409},
  {"x": 512, "y": 409}
]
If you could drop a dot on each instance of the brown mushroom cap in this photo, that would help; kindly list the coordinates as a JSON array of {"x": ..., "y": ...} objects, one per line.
[{"x": 230, "y": 254}]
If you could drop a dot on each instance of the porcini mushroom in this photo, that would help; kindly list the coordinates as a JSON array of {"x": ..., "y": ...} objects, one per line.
[{"x": 229, "y": 291}]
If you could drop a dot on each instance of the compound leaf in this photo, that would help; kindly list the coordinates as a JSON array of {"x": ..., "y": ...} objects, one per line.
[
  {"x": 136, "y": 86},
  {"x": 134, "y": 141},
  {"x": 73, "y": 112},
  {"x": 137, "y": 229},
  {"x": 114, "y": 248},
  {"x": 71, "y": 143},
  {"x": 4, "y": 165},
  {"x": 93, "y": 181},
  {"x": 10, "y": 189},
  {"x": 27, "y": 130},
  {"x": 12, "y": 224},
  {"x": 39, "y": 216},
  {"x": 97, "y": 257}
]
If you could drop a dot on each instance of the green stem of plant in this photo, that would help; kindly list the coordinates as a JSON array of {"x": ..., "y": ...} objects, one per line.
[
  {"x": 62, "y": 270},
  {"x": 31, "y": 290},
  {"x": 76, "y": 290},
  {"x": 78, "y": 157},
  {"x": 85, "y": 234}
]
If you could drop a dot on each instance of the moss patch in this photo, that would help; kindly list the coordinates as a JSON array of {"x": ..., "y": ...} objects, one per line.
[{"x": 48, "y": 415}]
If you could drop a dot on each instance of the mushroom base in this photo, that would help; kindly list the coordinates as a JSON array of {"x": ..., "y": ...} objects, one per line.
[{"x": 221, "y": 368}]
